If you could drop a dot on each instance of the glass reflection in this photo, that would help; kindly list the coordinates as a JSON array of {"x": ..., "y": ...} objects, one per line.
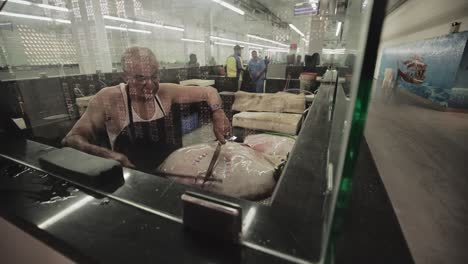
[{"x": 204, "y": 93}]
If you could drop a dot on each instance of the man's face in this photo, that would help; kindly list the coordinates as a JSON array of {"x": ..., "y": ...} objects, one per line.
[
  {"x": 193, "y": 58},
  {"x": 142, "y": 76},
  {"x": 237, "y": 52},
  {"x": 254, "y": 54}
]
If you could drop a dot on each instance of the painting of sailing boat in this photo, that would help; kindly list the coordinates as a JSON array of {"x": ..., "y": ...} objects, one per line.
[{"x": 430, "y": 68}]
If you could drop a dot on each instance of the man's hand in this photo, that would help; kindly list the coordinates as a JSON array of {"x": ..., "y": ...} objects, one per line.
[
  {"x": 122, "y": 159},
  {"x": 221, "y": 125},
  {"x": 81, "y": 143}
]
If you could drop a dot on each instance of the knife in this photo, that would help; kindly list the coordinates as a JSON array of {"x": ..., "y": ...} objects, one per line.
[{"x": 209, "y": 172}]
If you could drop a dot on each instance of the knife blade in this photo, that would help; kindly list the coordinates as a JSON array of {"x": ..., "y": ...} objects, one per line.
[{"x": 209, "y": 172}]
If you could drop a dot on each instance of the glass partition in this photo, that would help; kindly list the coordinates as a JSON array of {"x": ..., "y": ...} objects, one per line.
[
  {"x": 361, "y": 35},
  {"x": 208, "y": 94}
]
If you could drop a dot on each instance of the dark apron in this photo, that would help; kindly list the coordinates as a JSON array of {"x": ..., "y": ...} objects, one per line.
[{"x": 144, "y": 143}]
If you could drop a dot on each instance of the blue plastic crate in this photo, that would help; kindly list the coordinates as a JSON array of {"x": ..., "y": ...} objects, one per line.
[{"x": 189, "y": 123}]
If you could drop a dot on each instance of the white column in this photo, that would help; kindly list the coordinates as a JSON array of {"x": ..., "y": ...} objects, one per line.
[
  {"x": 317, "y": 28},
  {"x": 316, "y": 35},
  {"x": 352, "y": 24},
  {"x": 209, "y": 49},
  {"x": 102, "y": 51},
  {"x": 90, "y": 38}
]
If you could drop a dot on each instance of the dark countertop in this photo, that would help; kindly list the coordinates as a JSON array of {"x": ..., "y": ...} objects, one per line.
[
  {"x": 142, "y": 197},
  {"x": 98, "y": 227}
]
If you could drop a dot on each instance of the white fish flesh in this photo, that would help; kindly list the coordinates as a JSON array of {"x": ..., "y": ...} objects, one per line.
[
  {"x": 239, "y": 171},
  {"x": 273, "y": 145}
]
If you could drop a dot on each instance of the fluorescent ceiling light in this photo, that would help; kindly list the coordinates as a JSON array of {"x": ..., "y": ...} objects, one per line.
[
  {"x": 139, "y": 31},
  {"x": 264, "y": 39},
  {"x": 20, "y": 2},
  {"x": 174, "y": 28},
  {"x": 232, "y": 45},
  {"x": 219, "y": 38},
  {"x": 57, "y": 8},
  {"x": 193, "y": 40},
  {"x": 63, "y": 21},
  {"x": 11, "y": 14},
  {"x": 128, "y": 29},
  {"x": 338, "y": 28},
  {"x": 116, "y": 28},
  {"x": 243, "y": 42},
  {"x": 229, "y": 6},
  {"x": 226, "y": 44},
  {"x": 278, "y": 50},
  {"x": 143, "y": 23},
  {"x": 118, "y": 19},
  {"x": 148, "y": 24},
  {"x": 296, "y": 29},
  {"x": 5, "y": 13}
]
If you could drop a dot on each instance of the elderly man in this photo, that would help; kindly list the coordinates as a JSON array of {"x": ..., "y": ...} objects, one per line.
[{"x": 132, "y": 114}]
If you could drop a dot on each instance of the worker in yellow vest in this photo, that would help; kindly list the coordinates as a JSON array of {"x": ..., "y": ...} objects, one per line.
[{"x": 234, "y": 65}]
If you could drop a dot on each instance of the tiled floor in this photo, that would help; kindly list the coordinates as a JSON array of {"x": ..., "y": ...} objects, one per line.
[{"x": 422, "y": 157}]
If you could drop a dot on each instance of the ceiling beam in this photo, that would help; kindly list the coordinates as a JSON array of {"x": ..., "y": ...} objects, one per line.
[{"x": 256, "y": 8}]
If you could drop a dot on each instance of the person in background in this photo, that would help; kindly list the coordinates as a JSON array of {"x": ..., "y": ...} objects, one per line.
[
  {"x": 132, "y": 115},
  {"x": 193, "y": 67},
  {"x": 212, "y": 62},
  {"x": 299, "y": 60},
  {"x": 234, "y": 66},
  {"x": 311, "y": 62},
  {"x": 257, "y": 69},
  {"x": 266, "y": 60},
  {"x": 291, "y": 59},
  {"x": 193, "y": 61}
]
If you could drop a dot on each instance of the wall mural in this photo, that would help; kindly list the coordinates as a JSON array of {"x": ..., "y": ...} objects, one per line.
[{"x": 429, "y": 68}]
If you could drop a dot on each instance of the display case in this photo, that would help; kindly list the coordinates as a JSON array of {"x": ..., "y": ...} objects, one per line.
[{"x": 113, "y": 149}]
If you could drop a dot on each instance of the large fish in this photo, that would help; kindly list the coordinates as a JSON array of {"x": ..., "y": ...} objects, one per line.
[
  {"x": 272, "y": 145},
  {"x": 240, "y": 171}
]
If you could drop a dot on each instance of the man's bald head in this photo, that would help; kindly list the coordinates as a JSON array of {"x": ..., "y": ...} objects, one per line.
[
  {"x": 140, "y": 68},
  {"x": 134, "y": 57}
]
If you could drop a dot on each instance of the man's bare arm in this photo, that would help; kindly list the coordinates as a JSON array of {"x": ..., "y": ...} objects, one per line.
[
  {"x": 85, "y": 130},
  {"x": 192, "y": 94},
  {"x": 82, "y": 144}
]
